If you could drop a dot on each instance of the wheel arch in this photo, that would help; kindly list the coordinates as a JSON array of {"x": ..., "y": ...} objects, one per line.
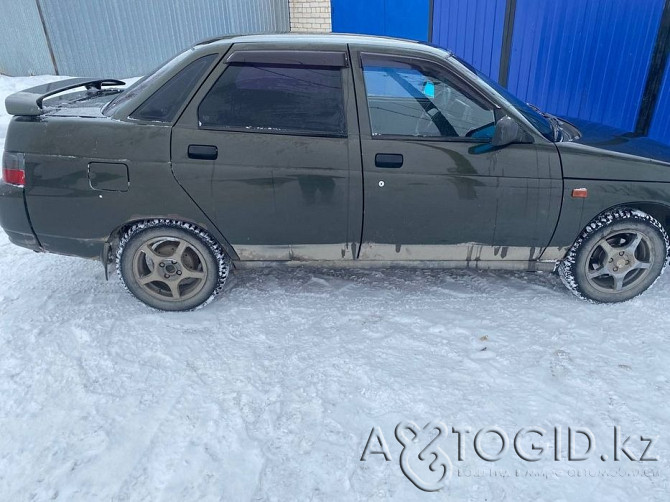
[
  {"x": 116, "y": 234},
  {"x": 657, "y": 210},
  {"x": 572, "y": 268}
]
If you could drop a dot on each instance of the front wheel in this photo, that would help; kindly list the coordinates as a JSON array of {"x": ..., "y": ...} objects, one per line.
[
  {"x": 619, "y": 255},
  {"x": 171, "y": 265}
]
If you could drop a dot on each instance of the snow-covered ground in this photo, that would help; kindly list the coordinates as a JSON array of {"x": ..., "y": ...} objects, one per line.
[{"x": 270, "y": 393}]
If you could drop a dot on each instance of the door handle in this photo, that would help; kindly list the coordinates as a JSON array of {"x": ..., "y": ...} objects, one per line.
[
  {"x": 389, "y": 160},
  {"x": 203, "y": 152}
]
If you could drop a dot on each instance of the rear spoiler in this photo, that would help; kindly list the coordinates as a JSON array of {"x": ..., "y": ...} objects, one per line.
[{"x": 29, "y": 102}]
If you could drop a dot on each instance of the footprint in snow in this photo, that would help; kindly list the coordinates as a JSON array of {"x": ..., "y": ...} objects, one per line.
[{"x": 560, "y": 363}]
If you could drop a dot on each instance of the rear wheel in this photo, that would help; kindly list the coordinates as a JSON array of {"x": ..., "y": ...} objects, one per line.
[
  {"x": 618, "y": 256},
  {"x": 171, "y": 265}
]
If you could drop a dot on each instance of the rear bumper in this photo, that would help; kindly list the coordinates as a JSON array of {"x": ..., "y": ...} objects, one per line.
[{"x": 14, "y": 217}]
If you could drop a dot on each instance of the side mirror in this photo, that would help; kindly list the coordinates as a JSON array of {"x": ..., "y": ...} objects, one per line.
[{"x": 508, "y": 131}]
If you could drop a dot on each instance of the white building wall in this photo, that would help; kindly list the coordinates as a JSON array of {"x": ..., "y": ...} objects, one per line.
[{"x": 311, "y": 16}]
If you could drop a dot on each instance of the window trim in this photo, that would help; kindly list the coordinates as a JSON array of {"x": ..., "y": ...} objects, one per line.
[
  {"x": 277, "y": 132},
  {"x": 450, "y": 73},
  {"x": 433, "y": 139},
  {"x": 282, "y": 132},
  {"x": 329, "y": 59}
]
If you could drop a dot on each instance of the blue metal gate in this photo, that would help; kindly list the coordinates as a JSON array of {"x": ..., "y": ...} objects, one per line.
[
  {"x": 660, "y": 126},
  {"x": 575, "y": 58},
  {"x": 584, "y": 59},
  {"x": 590, "y": 59},
  {"x": 472, "y": 29},
  {"x": 397, "y": 18}
]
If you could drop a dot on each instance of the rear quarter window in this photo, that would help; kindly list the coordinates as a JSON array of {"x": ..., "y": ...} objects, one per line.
[{"x": 165, "y": 103}]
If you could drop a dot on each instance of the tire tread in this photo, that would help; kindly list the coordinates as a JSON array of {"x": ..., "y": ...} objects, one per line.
[
  {"x": 566, "y": 266},
  {"x": 221, "y": 258}
]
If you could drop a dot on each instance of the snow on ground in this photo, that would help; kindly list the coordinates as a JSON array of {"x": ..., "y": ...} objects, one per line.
[{"x": 270, "y": 392}]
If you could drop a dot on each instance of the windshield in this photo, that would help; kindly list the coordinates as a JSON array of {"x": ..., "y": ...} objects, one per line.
[
  {"x": 139, "y": 86},
  {"x": 534, "y": 117}
]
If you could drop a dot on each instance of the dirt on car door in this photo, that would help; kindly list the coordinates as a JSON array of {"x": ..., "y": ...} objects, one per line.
[
  {"x": 269, "y": 148},
  {"x": 435, "y": 188}
]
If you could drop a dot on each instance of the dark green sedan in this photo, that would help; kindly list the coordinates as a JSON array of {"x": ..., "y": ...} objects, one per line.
[{"x": 340, "y": 150}]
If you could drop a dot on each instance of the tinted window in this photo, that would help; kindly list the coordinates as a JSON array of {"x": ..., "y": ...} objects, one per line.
[
  {"x": 282, "y": 99},
  {"x": 139, "y": 86},
  {"x": 164, "y": 104},
  {"x": 419, "y": 99}
]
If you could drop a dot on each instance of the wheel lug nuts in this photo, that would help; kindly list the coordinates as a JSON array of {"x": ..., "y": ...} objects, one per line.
[
  {"x": 611, "y": 260},
  {"x": 616, "y": 268},
  {"x": 167, "y": 276},
  {"x": 178, "y": 272},
  {"x": 620, "y": 253},
  {"x": 161, "y": 264}
]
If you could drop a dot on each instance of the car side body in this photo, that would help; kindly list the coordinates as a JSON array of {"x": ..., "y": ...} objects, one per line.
[{"x": 97, "y": 163}]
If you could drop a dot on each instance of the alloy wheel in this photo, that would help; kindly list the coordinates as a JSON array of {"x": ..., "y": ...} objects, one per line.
[
  {"x": 619, "y": 261},
  {"x": 169, "y": 268}
]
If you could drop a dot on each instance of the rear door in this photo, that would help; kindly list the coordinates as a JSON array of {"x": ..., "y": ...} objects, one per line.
[
  {"x": 435, "y": 189},
  {"x": 269, "y": 148}
]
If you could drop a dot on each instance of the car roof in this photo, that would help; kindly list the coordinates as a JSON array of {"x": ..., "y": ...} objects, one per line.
[{"x": 311, "y": 39}]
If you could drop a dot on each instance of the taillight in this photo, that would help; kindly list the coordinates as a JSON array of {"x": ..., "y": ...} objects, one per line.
[{"x": 14, "y": 168}]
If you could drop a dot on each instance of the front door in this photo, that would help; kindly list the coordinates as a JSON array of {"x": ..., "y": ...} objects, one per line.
[
  {"x": 267, "y": 148},
  {"x": 434, "y": 187}
]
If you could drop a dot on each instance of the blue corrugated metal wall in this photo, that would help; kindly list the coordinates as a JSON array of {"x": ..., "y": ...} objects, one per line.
[
  {"x": 124, "y": 37},
  {"x": 584, "y": 59},
  {"x": 397, "y": 18},
  {"x": 660, "y": 126},
  {"x": 575, "y": 58},
  {"x": 473, "y": 29},
  {"x": 358, "y": 17}
]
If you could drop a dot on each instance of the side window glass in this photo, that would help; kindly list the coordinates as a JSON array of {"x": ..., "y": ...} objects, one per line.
[
  {"x": 164, "y": 104},
  {"x": 419, "y": 99},
  {"x": 282, "y": 99}
]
